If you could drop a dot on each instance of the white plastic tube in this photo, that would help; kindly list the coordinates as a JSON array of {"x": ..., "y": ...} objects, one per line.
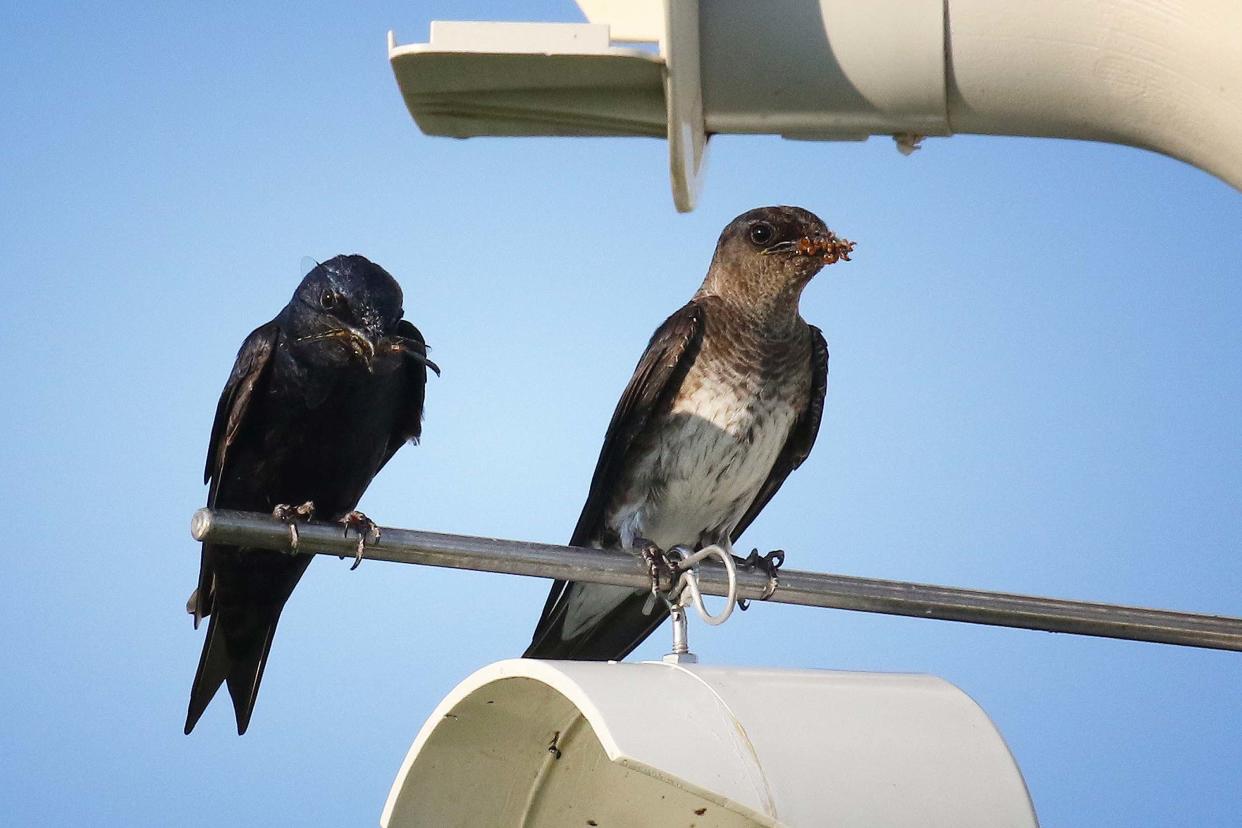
[
  {"x": 1161, "y": 74},
  {"x": 1165, "y": 75}
]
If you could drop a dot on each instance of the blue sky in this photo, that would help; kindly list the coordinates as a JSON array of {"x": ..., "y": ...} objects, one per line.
[{"x": 1034, "y": 388}]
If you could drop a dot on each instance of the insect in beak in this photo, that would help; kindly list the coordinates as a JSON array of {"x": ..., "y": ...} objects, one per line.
[
  {"x": 412, "y": 348},
  {"x": 830, "y": 249}
]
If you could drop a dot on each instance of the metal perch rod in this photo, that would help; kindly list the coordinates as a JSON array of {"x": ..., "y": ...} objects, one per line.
[{"x": 812, "y": 589}]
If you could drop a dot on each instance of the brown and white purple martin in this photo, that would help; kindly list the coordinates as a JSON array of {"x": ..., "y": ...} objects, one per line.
[
  {"x": 724, "y": 404},
  {"x": 319, "y": 399}
]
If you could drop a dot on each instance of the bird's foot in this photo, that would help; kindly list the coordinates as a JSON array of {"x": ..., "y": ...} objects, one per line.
[
  {"x": 661, "y": 568},
  {"x": 366, "y": 528},
  {"x": 769, "y": 564},
  {"x": 291, "y": 515},
  {"x": 285, "y": 512}
]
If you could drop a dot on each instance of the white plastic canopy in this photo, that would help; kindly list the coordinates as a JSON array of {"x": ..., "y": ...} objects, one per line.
[
  {"x": 1161, "y": 75},
  {"x": 560, "y": 743}
]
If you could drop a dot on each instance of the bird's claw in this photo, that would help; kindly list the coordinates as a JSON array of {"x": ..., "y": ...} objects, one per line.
[
  {"x": 769, "y": 564},
  {"x": 291, "y": 515},
  {"x": 285, "y": 512},
  {"x": 366, "y": 529},
  {"x": 661, "y": 568}
]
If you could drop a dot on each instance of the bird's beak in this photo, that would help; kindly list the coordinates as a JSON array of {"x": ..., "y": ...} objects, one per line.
[
  {"x": 367, "y": 347},
  {"x": 359, "y": 343},
  {"x": 362, "y": 346},
  {"x": 829, "y": 249}
]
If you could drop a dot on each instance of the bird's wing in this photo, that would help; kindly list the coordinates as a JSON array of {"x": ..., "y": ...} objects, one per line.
[
  {"x": 657, "y": 377},
  {"x": 249, "y": 369},
  {"x": 408, "y": 425},
  {"x": 217, "y": 664},
  {"x": 801, "y": 436}
]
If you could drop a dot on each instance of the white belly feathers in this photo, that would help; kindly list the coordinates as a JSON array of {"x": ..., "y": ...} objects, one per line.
[{"x": 713, "y": 454}]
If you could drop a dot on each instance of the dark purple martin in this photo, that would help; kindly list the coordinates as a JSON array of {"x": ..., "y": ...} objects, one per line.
[
  {"x": 724, "y": 404},
  {"x": 319, "y": 399}
]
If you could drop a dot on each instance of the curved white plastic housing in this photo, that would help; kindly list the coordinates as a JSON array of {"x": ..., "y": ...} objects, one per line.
[
  {"x": 1160, "y": 74},
  {"x": 824, "y": 69},
  {"x": 527, "y": 742},
  {"x": 1166, "y": 76}
]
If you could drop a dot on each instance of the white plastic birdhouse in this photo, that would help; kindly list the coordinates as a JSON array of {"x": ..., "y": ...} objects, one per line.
[
  {"x": 560, "y": 743},
  {"x": 1166, "y": 77}
]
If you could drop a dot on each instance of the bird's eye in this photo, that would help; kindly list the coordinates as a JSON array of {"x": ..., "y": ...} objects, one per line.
[
  {"x": 328, "y": 300},
  {"x": 761, "y": 233}
]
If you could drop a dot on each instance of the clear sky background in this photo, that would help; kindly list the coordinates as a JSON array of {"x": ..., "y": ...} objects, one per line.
[{"x": 1035, "y": 388}]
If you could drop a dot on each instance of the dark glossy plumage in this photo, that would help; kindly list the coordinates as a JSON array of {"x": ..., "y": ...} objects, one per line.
[
  {"x": 723, "y": 405},
  {"x": 319, "y": 399}
]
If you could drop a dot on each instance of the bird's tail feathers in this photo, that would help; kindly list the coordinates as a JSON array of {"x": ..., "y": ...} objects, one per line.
[
  {"x": 213, "y": 667},
  {"x": 620, "y": 624},
  {"x": 247, "y": 672},
  {"x": 235, "y": 652}
]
